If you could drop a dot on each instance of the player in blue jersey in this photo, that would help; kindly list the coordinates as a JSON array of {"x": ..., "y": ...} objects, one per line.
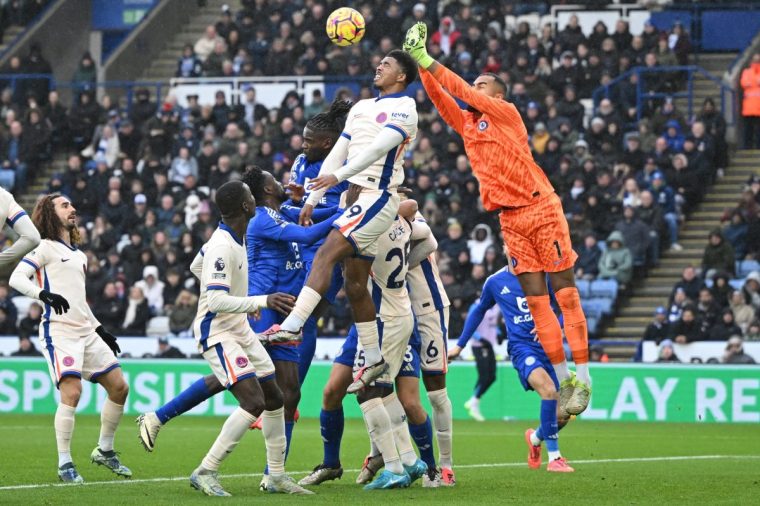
[
  {"x": 319, "y": 136},
  {"x": 275, "y": 265},
  {"x": 528, "y": 358}
]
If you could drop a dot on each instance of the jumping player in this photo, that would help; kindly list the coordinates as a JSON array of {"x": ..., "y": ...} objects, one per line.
[
  {"x": 319, "y": 136},
  {"x": 532, "y": 220},
  {"x": 528, "y": 358},
  {"x": 372, "y": 145},
  {"x": 76, "y": 343}
]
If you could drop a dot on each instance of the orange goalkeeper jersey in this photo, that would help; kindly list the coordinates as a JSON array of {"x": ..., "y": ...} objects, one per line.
[{"x": 496, "y": 141}]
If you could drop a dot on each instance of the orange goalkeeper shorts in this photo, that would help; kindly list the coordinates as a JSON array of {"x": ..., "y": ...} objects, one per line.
[{"x": 538, "y": 237}]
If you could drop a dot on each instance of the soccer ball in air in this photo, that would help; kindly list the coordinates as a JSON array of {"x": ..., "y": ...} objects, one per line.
[{"x": 345, "y": 26}]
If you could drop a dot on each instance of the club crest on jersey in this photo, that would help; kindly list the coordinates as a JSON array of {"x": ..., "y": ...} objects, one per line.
[
  {"x": 219, "y": 264},
  {"x": 68, "y": 361},
  {"x": 482, "y": 125},
  {"x": 381, "y": 117},
  {"x": 241, "y": 361},
  {"x": 530, "y": 360}
]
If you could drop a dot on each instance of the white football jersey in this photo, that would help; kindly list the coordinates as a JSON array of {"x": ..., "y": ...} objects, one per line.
[
  {"x": 225, "y": 267},
  {"x": 62, "y": 269},
  {"x": 364, "y": 122},
  {"x": 388, "y": 281},
  {"x": 10, "y": 211},
  {"x": 425, "y": 287}
]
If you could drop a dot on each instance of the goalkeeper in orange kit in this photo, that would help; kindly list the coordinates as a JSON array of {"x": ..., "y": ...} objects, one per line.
[{"x": 532, "y": 221}]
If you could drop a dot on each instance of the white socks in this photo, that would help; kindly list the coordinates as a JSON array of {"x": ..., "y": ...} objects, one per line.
[
  {"x": 64, "y": 428},
  {"x": 370, "y": 341},
  {"x": 273, "y": 429},
  {"x": 400, "y": 429},
  {"x": 442, "y": 421},
  {"x": 562, "y": 371},
  {"x": 581, "y": 372},
  {"x": 110, "y": 416},
  {"x": 232, "y": 432},
  {"x": 554, "y": 455},
  {"x": 380, "y": 431},
  {"x": 306, "y": 303}
]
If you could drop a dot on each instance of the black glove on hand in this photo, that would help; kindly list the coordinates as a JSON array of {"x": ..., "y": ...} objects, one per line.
[
  {"x": 59, "y": 304},
  {"x": 109, "y": 339}
]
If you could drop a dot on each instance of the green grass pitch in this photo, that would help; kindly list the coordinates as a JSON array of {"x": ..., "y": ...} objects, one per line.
[{"x": 616, "y": 463}]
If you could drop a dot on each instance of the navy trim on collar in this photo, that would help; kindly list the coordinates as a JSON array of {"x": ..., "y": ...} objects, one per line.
[
  {"x": 392, "y": 95},
  {"x": 227, "y": 229},
  {"x": 72, "y": 248}
]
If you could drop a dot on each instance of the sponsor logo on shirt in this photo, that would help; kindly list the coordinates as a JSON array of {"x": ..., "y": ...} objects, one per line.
[{"x": 399, "y": 115}]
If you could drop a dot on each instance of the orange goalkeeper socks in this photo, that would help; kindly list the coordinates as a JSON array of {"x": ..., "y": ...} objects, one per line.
[
  {"x": 575, "y": 323},
  {"x": 547, "y": 327}
]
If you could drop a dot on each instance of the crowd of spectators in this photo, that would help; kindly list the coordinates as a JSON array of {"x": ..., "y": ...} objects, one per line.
[{"x": 142, "y": 179}]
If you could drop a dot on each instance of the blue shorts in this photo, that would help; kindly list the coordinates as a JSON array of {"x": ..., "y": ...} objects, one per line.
[
  {"x": 277, "y": 352},
  {"x": 526, "y": 357},
  {"x": 336, "y": 283},
  {"x": 410, "y": 367}
]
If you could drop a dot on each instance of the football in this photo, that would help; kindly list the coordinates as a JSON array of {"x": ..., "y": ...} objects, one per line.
[{"x": 345, "y": 26}]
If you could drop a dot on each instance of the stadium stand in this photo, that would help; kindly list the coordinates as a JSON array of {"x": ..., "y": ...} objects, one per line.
[{"x": 144, "y": 198}]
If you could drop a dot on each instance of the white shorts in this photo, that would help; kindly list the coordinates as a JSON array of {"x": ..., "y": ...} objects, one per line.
[
  {"x": 367, "y": 219},
  {"x": 82, "y": 357},
  {"x": 232, "y": 361},
  {"x": 434, "y": 336},
  {"x": 394, "y": 341}
]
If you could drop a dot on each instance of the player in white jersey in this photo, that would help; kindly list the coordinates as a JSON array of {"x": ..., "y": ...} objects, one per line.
[
  {"x": 76, "y": 344},
  {"x": 234, "y": 352},
  {"x": 15, "y": 217},
  {"x": 369, "y": 154},
  {"x": 431, "y": 308}
]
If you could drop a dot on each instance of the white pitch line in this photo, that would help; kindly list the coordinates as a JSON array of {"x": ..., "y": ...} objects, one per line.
[{"x": 464, "y": 466}]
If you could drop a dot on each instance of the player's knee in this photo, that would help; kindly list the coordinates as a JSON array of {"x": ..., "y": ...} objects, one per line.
[
  {"x": 332, "y": 398},
  {"x": 253, "y": 406},
  {"x": 212, "y": 384},
  {"x": 119, "y": 392},
  {"x": 273, "y": 398},
  {"x": 433, "y": 382},
  {"x": 413, "y": 409},
  {"x": 355, "y": 289}
]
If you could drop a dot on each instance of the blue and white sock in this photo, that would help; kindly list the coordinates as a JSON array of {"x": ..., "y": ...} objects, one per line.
[
  {"x": 185, "y": 401},
  {"x": 331, "y": 426},
  {"x": 549, "y": 428},
  {"x": 423, "y": 438}
]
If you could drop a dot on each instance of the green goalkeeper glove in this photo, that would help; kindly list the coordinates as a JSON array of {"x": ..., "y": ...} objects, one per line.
[{"x": 414, "y": 44}]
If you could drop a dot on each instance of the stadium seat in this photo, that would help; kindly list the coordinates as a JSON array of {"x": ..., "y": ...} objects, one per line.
[
  {"x": 602, "y": 245},
  {"x": 584, "y": 288},
  {"x": 736, "y": 284},
  {"x": 545, "y": 19},
  {"x": 605, "y": 304},
  {"x": 592, "y": 309},
  {"x": 532, "y": 19},
  {"x": 607, "y": 288},
  {"x": 744, "y": 267},
  {"x": 158, "y": 326},
  {"x": 510, "y": 23},
  {"x": 591, "y": 325}
]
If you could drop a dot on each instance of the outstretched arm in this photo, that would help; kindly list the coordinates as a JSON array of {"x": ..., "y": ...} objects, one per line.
[
  {"x": 28, "y": 239},
  {"x": 445, "y": 103},
  {"x": 475, "y": 316},
  {"x": 308, "y": 235}
]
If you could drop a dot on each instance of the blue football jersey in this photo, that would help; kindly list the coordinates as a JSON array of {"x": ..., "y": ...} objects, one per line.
[
  {"x": 274, "y": 265},
  {"x": 302, "y": 172}
]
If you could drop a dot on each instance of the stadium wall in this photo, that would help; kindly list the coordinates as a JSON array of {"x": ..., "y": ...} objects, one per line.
[{"x": 622, "y": 392}]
